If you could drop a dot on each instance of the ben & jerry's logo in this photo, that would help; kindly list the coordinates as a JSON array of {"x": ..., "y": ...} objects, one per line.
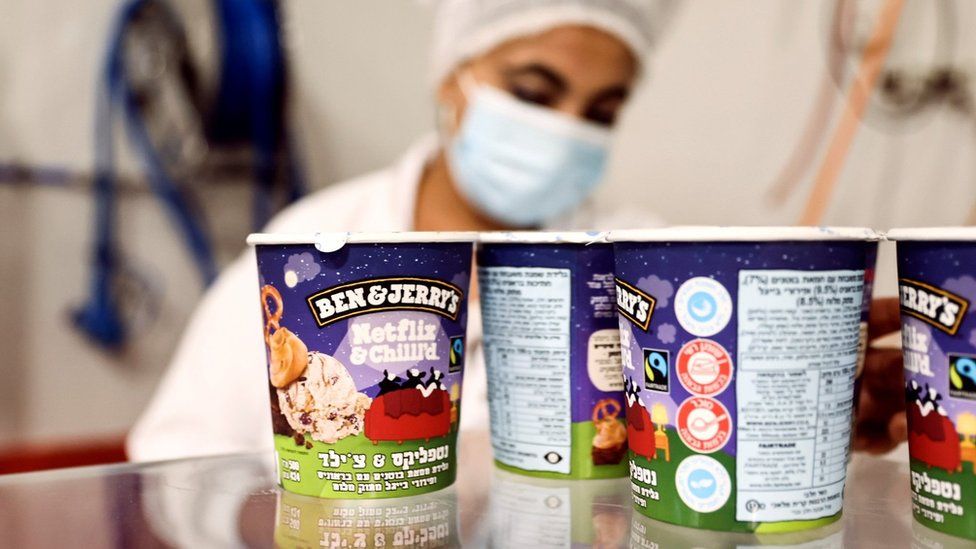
[
  {"x": 385, "y": 294},
  {"x": 940, "y": 308},
  {"x": 635, "y": 305}
]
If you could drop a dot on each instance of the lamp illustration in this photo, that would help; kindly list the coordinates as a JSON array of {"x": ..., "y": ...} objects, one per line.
[
  {"x": 455, "y": 396},
  {"x": 659, "y": 416},
  {"x": 966, "y": 426}
]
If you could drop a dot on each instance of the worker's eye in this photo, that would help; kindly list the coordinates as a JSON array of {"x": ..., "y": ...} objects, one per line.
[
  {"x": 535, "y": 83},
  {"x": 604, "y": 111},
  {"x": 533, "y": 95},
  {"x": 601, "y": 115}
]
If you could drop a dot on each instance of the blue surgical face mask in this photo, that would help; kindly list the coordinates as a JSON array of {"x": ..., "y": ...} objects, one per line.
[{"x": 522, "y": 164}]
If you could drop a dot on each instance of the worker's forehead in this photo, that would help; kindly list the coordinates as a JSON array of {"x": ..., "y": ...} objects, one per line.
[{"x": 575, "y": 51}]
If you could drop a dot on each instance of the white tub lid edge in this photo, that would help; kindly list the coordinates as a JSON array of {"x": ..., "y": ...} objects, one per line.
[
  {"x": 744, "y": 234},
  {"x": 931, "y": 233},
  {"x": 340, "y": 238},
  {"x": 543, "y": 237}
]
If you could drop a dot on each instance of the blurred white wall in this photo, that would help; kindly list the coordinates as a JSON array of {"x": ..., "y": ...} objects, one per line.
[
  {"x": 59, "y": 386},
  {"x": 731, "y": 87}
]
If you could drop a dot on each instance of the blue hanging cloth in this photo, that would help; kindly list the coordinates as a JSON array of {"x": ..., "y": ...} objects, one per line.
[
  {"x": 251, "y": 92},
  {"x": 249, "y": 109}
]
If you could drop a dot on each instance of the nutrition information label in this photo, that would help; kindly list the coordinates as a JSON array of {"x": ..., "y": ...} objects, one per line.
[
  {"x": 795, "y": 394},
  {"x": 526, "y": 318}
]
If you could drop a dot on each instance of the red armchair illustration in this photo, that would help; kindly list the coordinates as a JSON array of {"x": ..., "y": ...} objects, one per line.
[
  {"x": 932, "y": 437},
  {"x": 640, "y": 430},
  {"x": 406, "y": 414},
  {"x": 933, "y": 440}
]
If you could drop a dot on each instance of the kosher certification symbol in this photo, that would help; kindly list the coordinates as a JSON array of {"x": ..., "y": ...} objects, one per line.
[
  {"x": 704, "y": 424},
  {"x": 703, "y": 306},
  {"x": 704, "y": 367},
  {"x": 702, "y": 483}
]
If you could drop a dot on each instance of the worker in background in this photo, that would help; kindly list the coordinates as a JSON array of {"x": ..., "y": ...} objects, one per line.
[
  {"x": 527, "y": 96},
  {"x": 527, "y": 93}
]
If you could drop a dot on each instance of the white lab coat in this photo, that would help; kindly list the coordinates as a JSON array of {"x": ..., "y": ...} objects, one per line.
[{"x": 214, "y": 397}]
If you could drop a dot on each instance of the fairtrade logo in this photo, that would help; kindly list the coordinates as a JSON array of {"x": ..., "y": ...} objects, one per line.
[
  {"x": 962, "y": 376},
  {"x": 704, "y": 424},
  {"x": 456, "y": 358},
  {"x": 656, "y": 369},
  {"x": 703, "y": 306},
  {"x": 703, "y": 484},
  {"x": 704, "y": 367}
]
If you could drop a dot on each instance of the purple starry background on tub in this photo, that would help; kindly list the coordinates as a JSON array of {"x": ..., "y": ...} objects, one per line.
[
  {"x": 444, "y": 261},
  {"x": 950, "y": 266}
]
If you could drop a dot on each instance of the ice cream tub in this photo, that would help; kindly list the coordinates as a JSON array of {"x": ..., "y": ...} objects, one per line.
[
  {"x": 937, "y": 294},
  {"x": 552, "y": 352},
  {"x": 740, "y": 347},
  {"x": 365, "y": 341}
]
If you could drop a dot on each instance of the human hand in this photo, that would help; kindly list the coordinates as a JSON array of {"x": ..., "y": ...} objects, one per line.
[{"x": 880, "y": 424}]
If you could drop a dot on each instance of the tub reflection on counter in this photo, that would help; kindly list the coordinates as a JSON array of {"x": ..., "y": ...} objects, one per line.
[
  {"x": 646, "y": 533},
  {"x": 425, "y": 521},
  {"x": 549, "y": 513}
]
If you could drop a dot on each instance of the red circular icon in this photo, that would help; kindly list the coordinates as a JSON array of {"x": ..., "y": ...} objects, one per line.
[
  {"x": 704, "y": 424},
  {"x": 704, "y": 367}
]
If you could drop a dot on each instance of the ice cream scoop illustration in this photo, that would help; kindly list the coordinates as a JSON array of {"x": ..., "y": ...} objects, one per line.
[
  {"x": 324, "y": 403},
  {"x": 316, "y": 394}
]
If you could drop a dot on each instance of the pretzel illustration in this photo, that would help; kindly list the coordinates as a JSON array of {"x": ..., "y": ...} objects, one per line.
[
  {"x": 270, "y": 296},
  {"x": 606, "y": 410},
  {"x": 287, "y": 354}
]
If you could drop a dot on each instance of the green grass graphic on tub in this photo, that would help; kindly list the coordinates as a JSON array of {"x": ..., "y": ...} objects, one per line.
[{"x": 345, "y": 450}]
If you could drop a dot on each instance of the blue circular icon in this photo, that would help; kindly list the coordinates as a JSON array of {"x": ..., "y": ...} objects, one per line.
[
  {"x": 702, "y": 306},
  {"x": 458, "y": 346},
  {"x": 702, "y": 484}
]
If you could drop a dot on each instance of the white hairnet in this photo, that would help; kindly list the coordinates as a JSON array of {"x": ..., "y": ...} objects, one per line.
[{"x": 466, "y": 28}]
